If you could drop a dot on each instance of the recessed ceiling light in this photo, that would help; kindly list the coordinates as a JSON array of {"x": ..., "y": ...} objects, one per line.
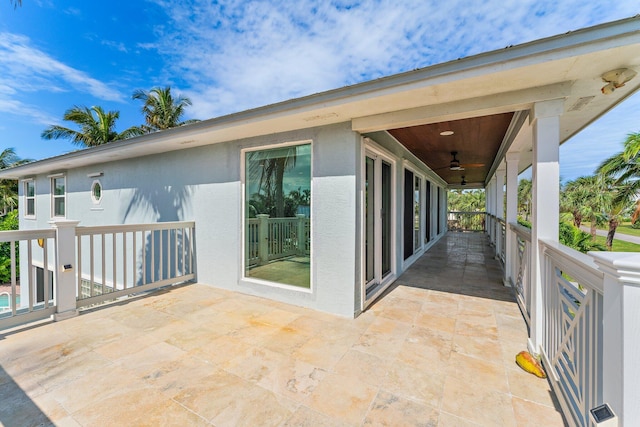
[{"x": 446, "y": 133}]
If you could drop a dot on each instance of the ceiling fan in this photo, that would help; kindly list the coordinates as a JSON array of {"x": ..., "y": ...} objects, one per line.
[{"x": 455, "y": 164}]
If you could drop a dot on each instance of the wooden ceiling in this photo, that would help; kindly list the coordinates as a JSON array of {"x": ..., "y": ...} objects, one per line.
[{"x": 476, "y": 140}]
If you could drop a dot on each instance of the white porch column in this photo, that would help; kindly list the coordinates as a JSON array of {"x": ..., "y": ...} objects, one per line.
[
  {"x": 65, "y": 259},
  {"x": 491, "y": 209},
  {"x": 621, "y": 333},
  {"x": 545, "y": 123},
  {"x": 511, "y": 217},
  {"x": 499, "y": 207}
]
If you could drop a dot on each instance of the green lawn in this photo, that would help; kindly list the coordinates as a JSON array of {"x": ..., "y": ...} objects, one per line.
[{"x": 619, "y": 245}]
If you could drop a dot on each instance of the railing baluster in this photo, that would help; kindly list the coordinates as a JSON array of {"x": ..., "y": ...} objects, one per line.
[
  {"x": 103, "y": 263},
  {"x": 12, "y": 297},
  {"x": 91, "y": 266},
  {"x": 114, "y": 243},
  {"x": 124, "y": 259},
  {"x": 45, "y": 268},
  {"x": 79, "y": 266},
  {"x": 29, "y": 274}
]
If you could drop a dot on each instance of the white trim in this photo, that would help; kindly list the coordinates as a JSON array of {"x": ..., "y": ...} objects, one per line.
[
  {"x": 96, "y": 201},
  {"x": 26, "y": 198},
  {"x": 55, "y": 175},
  {"x": 420, "y": 249},
  {"x": 252, "y": 280},
  {"x": 95, "y": 174},
  {"x": 371, "y": 149},
  {"x": 53, "y": 195}
]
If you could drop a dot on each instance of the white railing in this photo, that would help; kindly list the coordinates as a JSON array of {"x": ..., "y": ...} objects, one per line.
[
  {"x": 269, "y": 239},
  {"x": 501, "y": 239},
  {"x": 118, "y": 260},
  {"x": 30, "y": 296},
  {"x": 466, "y": 221},
  {"x": 572, "y": 334},
  {"x": 521, "y": 269}
]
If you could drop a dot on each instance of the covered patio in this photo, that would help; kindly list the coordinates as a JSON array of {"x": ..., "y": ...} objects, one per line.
[{"x": 437, "y": 348}]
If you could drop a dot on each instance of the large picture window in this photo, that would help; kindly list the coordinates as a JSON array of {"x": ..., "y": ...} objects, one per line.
[
  {"x": 278, "y": 215},
  {"x": 29, "y": 198},
  {"x": 58, "y": 190}
]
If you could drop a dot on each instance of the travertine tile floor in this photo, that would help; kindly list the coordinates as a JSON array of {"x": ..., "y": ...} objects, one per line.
[{"x": 437, "y": 350}]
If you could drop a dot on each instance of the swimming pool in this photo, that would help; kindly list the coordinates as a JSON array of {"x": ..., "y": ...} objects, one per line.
[{"x": 4, "y": 301}]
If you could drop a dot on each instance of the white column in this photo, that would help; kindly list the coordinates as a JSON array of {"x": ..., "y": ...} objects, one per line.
[
  {"x": 492, "y": 210},
  {"x": 499, "y": 204},
  {"x": 65, "y": 260},
  {"x": 621, "y": 333},
  {"x": 511, "y": 217},
  {"x": 545, "y": 123}
]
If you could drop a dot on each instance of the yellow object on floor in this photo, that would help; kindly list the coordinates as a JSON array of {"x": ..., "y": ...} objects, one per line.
[{"x": 529, "y": 363}]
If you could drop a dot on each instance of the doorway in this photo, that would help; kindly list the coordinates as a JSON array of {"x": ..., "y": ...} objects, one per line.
[{"x": 378, "y": 223}]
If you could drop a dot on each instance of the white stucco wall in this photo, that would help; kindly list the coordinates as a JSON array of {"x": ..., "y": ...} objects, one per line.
[{"x": 204, "y": 184}]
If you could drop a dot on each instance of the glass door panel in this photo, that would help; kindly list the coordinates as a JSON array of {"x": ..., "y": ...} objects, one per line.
[
  {"x": 386, "y": 218},
  {"x": 369, "y": 200},
  {"x": 378, "y": 227}
]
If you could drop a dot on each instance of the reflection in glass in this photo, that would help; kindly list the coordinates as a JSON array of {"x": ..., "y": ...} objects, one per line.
[{"x": 278, "y": 215}]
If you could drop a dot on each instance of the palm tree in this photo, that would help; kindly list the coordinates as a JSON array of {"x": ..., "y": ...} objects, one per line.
[
  {"x": 97, "y": 127},
  {"x": 588, "y": 198},
  {"x": 161, "y": 110},
  {"x": 8, "y": 187},
  {"x": 267, "y": 169},
  {"x": 525, "y": 190},
  {"x": 624, "y": 168}
]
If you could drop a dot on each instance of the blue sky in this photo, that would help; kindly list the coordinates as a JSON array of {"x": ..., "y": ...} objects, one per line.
[{"x": 229, "y": 56}]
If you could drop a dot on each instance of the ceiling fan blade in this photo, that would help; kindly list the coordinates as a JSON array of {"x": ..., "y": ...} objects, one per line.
[{"x": 472, "y": 165}]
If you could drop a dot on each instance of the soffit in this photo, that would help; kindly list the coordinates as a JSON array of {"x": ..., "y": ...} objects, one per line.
[{"x": 476, "y": 141}]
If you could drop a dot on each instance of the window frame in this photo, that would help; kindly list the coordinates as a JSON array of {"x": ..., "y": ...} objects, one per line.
[
  {"x": 27, "y": 198},
  {"x": 96, "y": 201},
  {"x": 53, "y": 179},
  {"x": 243, "y": 173}
]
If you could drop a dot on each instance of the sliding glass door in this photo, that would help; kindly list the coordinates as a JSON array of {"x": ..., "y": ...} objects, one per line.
[{"x": 378, "y": 220}]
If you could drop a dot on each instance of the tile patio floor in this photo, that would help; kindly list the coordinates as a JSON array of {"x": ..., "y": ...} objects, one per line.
[{"x": 437, "y": 350}]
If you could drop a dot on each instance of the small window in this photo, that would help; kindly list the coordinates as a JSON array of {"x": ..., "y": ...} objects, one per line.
[
  {"x": 58, "y": 191},
  {"x": 96, "y": 192},
  {"x": 29, "y": 198}
]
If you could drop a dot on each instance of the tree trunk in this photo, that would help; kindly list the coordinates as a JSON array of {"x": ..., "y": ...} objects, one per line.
[
  {"x": 593, "y": 230},
  {"x": 613, "y": 224},
  {"x": 577, "y": 219}
]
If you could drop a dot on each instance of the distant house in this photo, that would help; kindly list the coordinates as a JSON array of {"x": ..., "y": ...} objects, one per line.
[{"x": 323, "y": 201}]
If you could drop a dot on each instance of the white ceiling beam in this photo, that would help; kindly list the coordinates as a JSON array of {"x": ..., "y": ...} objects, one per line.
[{"x": 491, "y": 104}]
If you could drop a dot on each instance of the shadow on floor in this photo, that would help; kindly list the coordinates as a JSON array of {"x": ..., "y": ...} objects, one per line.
[{"x": 17, "y": 408}]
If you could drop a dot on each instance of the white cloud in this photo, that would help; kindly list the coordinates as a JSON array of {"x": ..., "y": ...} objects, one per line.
[
  {"x": 27, "y": 69},
  {"x": 34, "y": 113},
  {"x": 241, "y": 54},
  {"x": 119, "y": 46}
]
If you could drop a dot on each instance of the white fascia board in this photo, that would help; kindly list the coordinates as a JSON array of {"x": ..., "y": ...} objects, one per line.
[{"x": 475, "y": 107}]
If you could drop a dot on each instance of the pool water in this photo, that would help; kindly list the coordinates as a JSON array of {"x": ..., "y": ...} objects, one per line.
[{"x": 4, "y": 301}]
